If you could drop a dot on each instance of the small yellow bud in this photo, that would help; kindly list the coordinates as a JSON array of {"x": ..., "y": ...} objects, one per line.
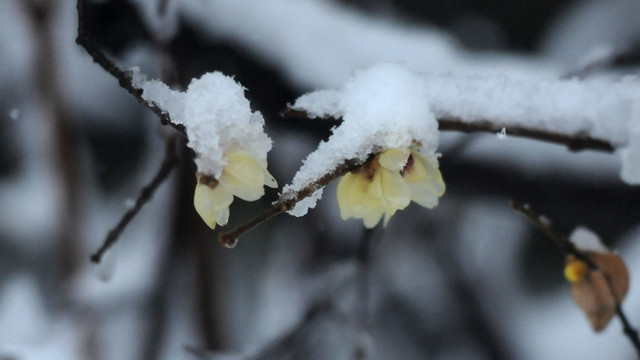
[{"x": 575, "y": 270}]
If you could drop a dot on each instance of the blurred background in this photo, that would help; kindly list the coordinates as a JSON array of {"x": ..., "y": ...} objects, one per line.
[{"x": 470, "y": 279}]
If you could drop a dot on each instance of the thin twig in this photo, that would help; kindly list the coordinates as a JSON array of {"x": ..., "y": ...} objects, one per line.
[
  {"x": 544, "y": 225},
  {"x": 287, "y": 202},
  {"x": 170, "y": 160},
  {"x": 125, "y": 78},
  {"x": 567, "y": 247},
  {"x": 573, "y": 142}
]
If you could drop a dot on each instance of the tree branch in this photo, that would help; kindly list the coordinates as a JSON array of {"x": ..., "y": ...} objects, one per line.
[
  {"x": 573, "y": 143},
  {"x": 170, "y": 160},
  {"x": 85, "y": 40},
  {"x": 287, "y": 202},
  {"x": 567, "y": 247}
]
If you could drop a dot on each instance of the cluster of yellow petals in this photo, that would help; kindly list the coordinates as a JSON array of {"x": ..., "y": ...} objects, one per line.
[
  {"x": 389, "y": 183},
  {"x": 244, "y": 176}
]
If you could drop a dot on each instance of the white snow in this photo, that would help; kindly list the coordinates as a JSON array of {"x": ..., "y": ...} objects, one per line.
[
  {"x": 602, "y": 108},
  {"x": 216, "y": 115},
  {"x": 585, "y": 239},
  {"x": 630, "y": 154},
  {"x": 382, "y": 108},
  {"x": 318, "y": 44}
]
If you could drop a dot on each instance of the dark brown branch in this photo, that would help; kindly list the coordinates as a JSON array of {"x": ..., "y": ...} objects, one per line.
[
  {"x": 573, "y": 143},
  {"x": 170, "y": 160},
  {"x": 287, "y": 202},
  {"x": 567, "y": 247},
  {"x": 125, "y": 78}
]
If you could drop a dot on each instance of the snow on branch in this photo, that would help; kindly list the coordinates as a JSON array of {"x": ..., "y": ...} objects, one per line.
[{"x": 599, "y": 114}]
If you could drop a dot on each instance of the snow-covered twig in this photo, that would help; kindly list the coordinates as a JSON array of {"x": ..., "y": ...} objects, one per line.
[
  {"x": 568, "y": 247},
  {"x": 125, "y": 78},
  {"x": 170, "y": 160},
  {"x": 573, "y": 143}
]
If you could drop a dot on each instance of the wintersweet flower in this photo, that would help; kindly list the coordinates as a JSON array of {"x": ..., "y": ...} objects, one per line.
[
  {"x": 244, "y": 176},
  {"x": 388, "y": 183}
]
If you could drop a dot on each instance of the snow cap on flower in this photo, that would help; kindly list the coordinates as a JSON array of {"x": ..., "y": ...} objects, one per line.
[
  {"x": 383, "y": 107},
  {"x": 228, "y": 139},
  {"x": 216, "y": 115}
]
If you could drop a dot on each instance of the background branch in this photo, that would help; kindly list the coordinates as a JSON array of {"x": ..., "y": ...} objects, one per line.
[
  {"x": 170, "y": 160},
  {"x": 85, "y": 40},
  {"x": 567, "y": 247}
]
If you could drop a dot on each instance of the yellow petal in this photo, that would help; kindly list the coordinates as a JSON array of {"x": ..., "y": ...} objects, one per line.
[
  {"x": 345, "y": 201},
  {"x": 394, "y": 159},
  {"x": 243, "y": 176},
  {"x": 212, "y": 204},
  {"x": 372, "y": 217},
  {"x": 424, "y": 180},
  {"x": 395, "y": 190},
  {"x": 353, "y": 200},
  {"x": 268, "y": 179}
]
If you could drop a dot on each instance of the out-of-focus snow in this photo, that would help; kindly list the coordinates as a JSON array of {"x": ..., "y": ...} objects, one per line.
[
  {"x": 630, "y": 154},
  {"x": 216, "y": 115},
  {"x": 591, "y": 30},
  {"x": 27, "y": 330},
  {"x": 162, "y": 25},
  {"x": 85, "y": 88},
  {"x": 318, "y": 44},
  {"x": 16, "y": 49},
  {"x": 585, "y": 239},
  {"x": 381, "y": 107}
]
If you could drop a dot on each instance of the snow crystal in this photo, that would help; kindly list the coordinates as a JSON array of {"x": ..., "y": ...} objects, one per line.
[
  {"x": 585, "y": 239},
  {"x": 216, "y": 115},
  {"x": 382, "y": 107}
]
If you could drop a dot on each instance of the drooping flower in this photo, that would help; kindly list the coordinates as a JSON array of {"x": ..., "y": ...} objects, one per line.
[
  {"x": 243, "y": 176},
  {"x": 388, "y": 183}
]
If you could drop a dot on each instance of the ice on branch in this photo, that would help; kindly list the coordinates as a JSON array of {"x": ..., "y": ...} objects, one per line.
[
  {"x": 383, "y": 109},
  {"x": 228, "y": 139}
]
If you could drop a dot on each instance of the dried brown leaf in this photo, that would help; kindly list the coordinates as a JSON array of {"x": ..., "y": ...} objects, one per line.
[{"x": 599, "y": 291}]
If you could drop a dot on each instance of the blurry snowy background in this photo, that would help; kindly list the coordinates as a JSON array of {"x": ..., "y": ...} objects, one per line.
[{"x": 470, "y": 279}]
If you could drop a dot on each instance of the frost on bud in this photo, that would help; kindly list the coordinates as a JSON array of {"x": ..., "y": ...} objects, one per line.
[{"x": 598, "y": 291}]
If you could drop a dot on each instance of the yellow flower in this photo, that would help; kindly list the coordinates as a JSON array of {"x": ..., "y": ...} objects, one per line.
[
  {"x": 389, "y": 183},
  {"x": 243, "y": 176}
]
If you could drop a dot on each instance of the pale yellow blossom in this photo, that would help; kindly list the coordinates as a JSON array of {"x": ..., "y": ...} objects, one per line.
[
  {"x": 388, "y": 183},
  {"x": 244, "y": 176}
]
